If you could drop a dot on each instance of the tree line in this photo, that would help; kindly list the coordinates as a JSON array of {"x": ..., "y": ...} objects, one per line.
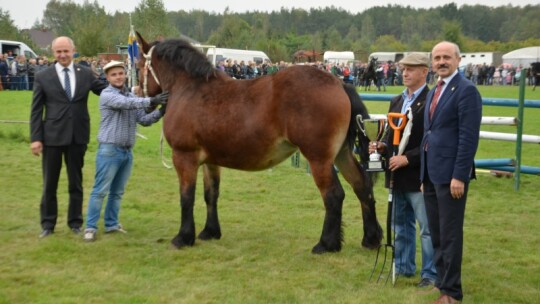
[{"x": 475, "y": 28}]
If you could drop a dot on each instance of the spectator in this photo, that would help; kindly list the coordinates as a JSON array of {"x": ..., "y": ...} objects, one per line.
[
  {"x": 32, "y": 67},
  {"x": 379, "y": 72},
  {"x": 4, "y": 72}
]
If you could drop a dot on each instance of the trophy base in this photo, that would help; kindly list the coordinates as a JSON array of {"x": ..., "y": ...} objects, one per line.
[{"x": 375, "y": 166}]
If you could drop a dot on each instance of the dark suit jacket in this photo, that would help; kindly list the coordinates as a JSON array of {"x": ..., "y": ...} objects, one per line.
[
  {"x": 54, "y": 119},
  {"x": 408, "y": 178},
  {"x": 452, "y": 134}
]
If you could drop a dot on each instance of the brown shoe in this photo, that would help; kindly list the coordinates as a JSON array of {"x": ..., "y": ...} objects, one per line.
[{"x": 446, "y": 299}]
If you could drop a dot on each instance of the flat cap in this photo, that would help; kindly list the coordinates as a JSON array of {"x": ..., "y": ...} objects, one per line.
[
  {"x": 415, "y": 58},
  {"x": 112, "y": 64}
]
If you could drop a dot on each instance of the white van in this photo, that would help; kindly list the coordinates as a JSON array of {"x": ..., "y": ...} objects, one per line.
[
  {"x": 338, "y": 57},
  {"x": 16, "y": 48},
  {"x": 220, "y": 54}
]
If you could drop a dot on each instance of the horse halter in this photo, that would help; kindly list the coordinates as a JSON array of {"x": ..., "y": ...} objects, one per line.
[{"x": 148, "y": 67}]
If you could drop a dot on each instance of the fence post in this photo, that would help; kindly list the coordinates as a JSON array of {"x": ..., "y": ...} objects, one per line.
[
  {"x": 521, "y": 103},
  {"x": 295, "y": 159}
]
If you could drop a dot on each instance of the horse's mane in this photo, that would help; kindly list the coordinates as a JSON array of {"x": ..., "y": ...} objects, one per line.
[{"x": 176, "y": 55}]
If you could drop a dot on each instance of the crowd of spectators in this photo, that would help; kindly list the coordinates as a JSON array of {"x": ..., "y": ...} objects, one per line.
[
  {"x": 17, "y": 72},
  {"x": 505, "y": 74}
]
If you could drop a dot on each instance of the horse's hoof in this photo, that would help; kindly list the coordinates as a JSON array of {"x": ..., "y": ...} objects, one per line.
[
  {"x": 206, "y": 235},
  {"x": 370, "y": 244},
  {"x": 179, "y": 242},
  {"x": 320, "y": 249}
]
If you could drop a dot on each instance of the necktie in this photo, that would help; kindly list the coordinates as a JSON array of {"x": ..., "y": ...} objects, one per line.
[
  {"x": 435, "y": 99},
  {"x": 67, "y": 83}
]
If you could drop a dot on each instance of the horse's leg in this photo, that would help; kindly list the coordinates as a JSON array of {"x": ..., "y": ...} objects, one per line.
[
  {"x": 332, "y": 193},
  {"x": 362, "y": 186},
  {"x": 186, "y": 169},
  {"x": 211, "y": 229}
]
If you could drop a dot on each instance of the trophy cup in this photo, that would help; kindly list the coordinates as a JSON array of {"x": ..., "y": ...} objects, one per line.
[{"x": 374, "y": 130}]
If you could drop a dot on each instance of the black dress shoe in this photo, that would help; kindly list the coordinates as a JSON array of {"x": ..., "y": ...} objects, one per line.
[
  {"x": 45, "y": 233},
  {"x": 76, "y": 230}
]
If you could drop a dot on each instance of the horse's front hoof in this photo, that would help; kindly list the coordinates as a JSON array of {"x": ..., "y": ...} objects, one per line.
[
  {"x": 320, "y": 249},
  {"x": 179, "y": 242}
]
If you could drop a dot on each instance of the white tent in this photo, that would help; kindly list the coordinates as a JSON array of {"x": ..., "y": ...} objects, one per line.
[{"x": 523, "y": 57}]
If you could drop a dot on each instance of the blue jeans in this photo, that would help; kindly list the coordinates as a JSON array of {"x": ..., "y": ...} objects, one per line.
[
  {"x": 113, "y": 168},
  {"x": 409, "y": 207}
]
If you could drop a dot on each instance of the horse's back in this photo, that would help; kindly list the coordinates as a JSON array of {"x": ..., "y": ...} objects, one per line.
[
  {"x": 314, "y": 105},
  {"x": 255, "y": 124}
]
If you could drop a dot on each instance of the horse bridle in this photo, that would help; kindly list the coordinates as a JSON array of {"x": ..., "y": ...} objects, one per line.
[{"x": 148, "y": 67}]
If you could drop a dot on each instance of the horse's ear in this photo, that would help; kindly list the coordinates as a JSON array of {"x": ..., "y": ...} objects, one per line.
[{"x": 142, "y": 42}]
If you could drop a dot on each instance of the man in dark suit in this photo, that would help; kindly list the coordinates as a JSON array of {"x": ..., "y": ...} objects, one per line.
[
  {"x": 60, "y": 128},
  {"x": 451, "y": 132},
  {"x": 408, "y": 202}
]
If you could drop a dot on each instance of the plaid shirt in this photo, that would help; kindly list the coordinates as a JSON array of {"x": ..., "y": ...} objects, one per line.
[{"x": 120, "y": 113}]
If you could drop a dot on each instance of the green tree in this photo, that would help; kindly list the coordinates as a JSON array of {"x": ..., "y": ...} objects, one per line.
[
  {"x": 334, "y": 41},
  {"x": 528, "y": 25},
  {"x": 452, "y": 33},
  {"x": 367, "y": 36},
  {"x": 60, "y": 17},
  {"x": 7, "y": 27},
  {"x": 233, "y": 33},
  {"x": 389, "y": 43},
  {"x": 91, "y": 29},
  {"x": 151, "y": 18}
]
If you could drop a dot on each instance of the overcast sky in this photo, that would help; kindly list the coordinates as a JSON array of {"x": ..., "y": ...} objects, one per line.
[{"x": 26, "y": 12}]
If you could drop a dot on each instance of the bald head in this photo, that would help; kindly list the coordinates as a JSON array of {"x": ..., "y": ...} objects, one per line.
[
  {"x": 448, "y": 45},
  {"x": 63, "y": 49},
  {"x": 445, "y": 58}
]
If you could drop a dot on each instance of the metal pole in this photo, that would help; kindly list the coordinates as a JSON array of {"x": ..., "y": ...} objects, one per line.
[{"x": 521, "y": 103}]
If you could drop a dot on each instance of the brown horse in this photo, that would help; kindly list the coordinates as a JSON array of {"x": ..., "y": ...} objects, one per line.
[{"x": 216, "y": 121}]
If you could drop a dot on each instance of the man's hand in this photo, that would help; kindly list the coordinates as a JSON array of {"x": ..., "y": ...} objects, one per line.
[
  {"x": 36, "y": 147},
  {"x": 398, "y": 161},
  {"x": 457, "y": 188},
  {"x": 159, "y": 99},
  {"x": 163, "y": 109},
  {"x": 376, "y": 146}
]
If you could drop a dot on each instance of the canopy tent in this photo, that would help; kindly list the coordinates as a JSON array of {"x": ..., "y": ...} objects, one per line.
[{"x": 523, "y": 57}]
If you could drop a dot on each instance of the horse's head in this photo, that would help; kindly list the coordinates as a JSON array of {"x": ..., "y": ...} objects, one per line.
[
  {"x": 149, "y": 83},
  {"x": 171, "y": 61}
]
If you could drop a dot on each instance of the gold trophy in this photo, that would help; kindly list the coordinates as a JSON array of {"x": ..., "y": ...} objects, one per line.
[{"x": 374, "y": 130}]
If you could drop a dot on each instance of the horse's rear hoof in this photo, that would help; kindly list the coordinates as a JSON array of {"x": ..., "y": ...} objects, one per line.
[
  {"x": 207, "y": 235},
  {"x": 179, "y": 242},
  {"x": 371, "y": 244},
  {"x": 320, "y": 249}
]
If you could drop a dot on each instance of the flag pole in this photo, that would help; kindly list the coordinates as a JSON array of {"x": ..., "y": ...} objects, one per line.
[{"x": 132, "y": 54}]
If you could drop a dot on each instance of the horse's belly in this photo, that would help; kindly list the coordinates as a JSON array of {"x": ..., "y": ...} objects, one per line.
[{"x": 250, "y": 157}]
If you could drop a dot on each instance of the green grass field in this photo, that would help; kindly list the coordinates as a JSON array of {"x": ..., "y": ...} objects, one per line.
[{"x": 270, "y": 221}]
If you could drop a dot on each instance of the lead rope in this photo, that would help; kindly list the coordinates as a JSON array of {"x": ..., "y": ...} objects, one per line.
[{"x": 148, "y": 67}]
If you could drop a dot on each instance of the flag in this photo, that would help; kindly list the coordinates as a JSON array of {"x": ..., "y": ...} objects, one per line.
[
  {"x": 133, "y": 53},
  {"x": 133, "y": 48}
]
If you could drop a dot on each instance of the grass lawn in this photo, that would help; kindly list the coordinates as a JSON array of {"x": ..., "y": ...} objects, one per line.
[{"x": 270, "y": 220}]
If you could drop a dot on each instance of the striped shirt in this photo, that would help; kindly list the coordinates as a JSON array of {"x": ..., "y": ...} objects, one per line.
[{"x": 120, "y": 113}]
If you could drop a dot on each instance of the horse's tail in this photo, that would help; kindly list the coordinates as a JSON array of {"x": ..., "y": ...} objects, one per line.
[{"x": 357, "y": 108}]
